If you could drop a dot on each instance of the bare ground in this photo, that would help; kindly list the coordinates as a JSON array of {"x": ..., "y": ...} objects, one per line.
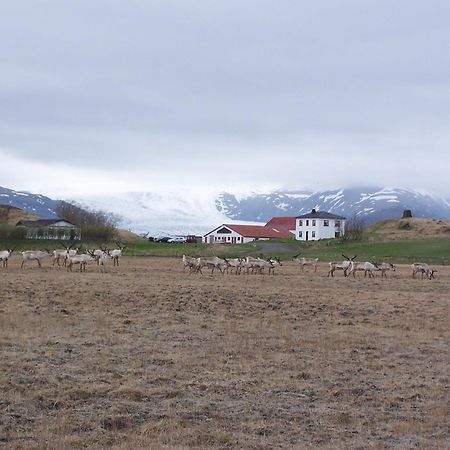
[{"x": 147, "y": 356}]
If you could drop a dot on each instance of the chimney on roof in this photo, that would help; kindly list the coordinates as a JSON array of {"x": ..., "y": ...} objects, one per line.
[{"x": 313, "y": 211}]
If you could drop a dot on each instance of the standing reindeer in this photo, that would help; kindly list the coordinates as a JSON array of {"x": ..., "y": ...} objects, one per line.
[
  {"x": 346, "y": 266},
  {"x": 4, "y": 256},
  {"x": 117, "y": 253},
  {"x": 63, "y": 254},
  {"x": 34, "y": 255},
  {"x": 313, "y": 262}
]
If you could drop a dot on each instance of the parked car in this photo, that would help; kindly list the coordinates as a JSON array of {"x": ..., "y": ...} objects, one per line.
[
  {"x": 177, "y": 240},
  {"x": 162, "y": 239}
]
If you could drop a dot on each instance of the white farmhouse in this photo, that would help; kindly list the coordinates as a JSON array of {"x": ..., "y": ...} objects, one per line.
[
  {"x": 241, "y": 234},
  {"x": 319, "y": 225}
]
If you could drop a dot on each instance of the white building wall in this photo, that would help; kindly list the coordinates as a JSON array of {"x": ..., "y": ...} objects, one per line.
[
  {"x": 228, "y": 238},
  {"x": 62, "y": 223},
  {"x": 318, "y": 231},
  {"x": 225, "y": 238}
]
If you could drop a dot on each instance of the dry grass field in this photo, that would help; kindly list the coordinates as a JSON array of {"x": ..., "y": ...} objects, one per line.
[
  {"x": 148, "y": 357},
  {"x": 415, "y": 228},
  {"x": 10, "y": 215}
]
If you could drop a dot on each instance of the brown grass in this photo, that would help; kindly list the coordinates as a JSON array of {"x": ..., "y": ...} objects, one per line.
[
  {"x": 11, "y": 215},
  {"x": 148, "y": 357},
  {"x": 393, "y": 230}
]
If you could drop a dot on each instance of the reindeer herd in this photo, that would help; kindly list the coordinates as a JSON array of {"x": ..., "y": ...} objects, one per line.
[
  {"x": 69, "y": 257},
  {"x": 235, "y": 265},
  {"x": 249, "y": 265}
]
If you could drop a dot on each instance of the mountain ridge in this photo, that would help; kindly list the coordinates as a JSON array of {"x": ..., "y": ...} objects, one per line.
[
  {"x": 195, "y": 212},
  {"x": 370, "y": 203}
]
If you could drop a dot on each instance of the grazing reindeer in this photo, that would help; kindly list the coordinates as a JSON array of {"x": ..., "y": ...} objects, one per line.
[
  {"x": 423, "y": 268},
  {"x": 367, "y": 267},
  {"x": 259, "y": 264},
  {"x": 385, "y": 267},
  {"x": 212, "y": 262}
]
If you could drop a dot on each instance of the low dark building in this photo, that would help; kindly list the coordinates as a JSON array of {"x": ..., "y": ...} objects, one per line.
[{"x": 50, "y": 229}]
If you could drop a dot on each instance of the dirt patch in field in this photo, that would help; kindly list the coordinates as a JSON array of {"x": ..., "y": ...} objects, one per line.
[{"x": 149, "y": 356}]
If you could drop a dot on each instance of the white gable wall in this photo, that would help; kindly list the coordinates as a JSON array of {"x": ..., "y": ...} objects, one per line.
[
  {"x": 315, "y": 229},
  {"x": 215, "y": 237}
]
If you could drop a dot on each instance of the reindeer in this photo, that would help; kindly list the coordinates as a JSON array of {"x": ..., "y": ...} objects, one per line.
[
  {"x": 82, "y": 260},
  {"x": 236, "y": 264},
  {"x": 423, "y": 268},
  {"x": 4, "y": 256},
  {"x": 189, "y": 261},
  {"x": 213, "y": 262},
  {"x": 34, "y": 255},
  {"x": 367, "y": 267},
  {"x": 64, "y": 254},
  {"x": 98, "y": 253},
  {"x": 275, "y": 262},
  {"x": 117, "y": 253},
  {"x": 102, "y": 260},
  {"x": 344, "y": 265},
  {"x": 313, "y": 262},
  {"x": 385, "y": 267}
]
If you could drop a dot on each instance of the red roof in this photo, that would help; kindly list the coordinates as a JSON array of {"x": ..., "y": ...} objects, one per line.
[
  {"x": 282, "y": 223},
  {"x": 258, "y": 231}
]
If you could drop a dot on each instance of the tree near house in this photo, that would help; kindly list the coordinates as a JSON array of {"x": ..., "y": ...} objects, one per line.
[{"x": 94, "y": 224}]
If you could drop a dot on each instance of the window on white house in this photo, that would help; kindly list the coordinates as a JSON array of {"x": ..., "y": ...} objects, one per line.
[
  {"x": 313, "y": 234},
  {"x": 300, "y": 233},
  {"x": 337, "y": 223},
  {"x": 300, "y": 223},
  {"x": 314, "y": 222},
  {"x": 307, "y": 222},
  {"x": 326, "y": 223},
  {"x": 337, "y": 234}
]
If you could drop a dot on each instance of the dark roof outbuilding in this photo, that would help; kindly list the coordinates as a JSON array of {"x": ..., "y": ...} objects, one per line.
[{"x": 41, "y": 222}]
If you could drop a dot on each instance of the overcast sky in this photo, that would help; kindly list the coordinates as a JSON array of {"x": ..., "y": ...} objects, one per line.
[{"x": 107, "y": 95}]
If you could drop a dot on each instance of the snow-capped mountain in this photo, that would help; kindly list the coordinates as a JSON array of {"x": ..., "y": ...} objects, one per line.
[
  {"x": 168, "y": 213},
  {"x": 36, "y": 204},
  {"x": 194, "y": 212},
  {"x": 371, "y": 204}
]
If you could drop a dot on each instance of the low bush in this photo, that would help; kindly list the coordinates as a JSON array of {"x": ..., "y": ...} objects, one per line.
[{"x": 11, "y": 232}]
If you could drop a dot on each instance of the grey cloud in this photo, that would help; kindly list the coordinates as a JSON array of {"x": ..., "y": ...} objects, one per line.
[{"x": 120, "y": 84}]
